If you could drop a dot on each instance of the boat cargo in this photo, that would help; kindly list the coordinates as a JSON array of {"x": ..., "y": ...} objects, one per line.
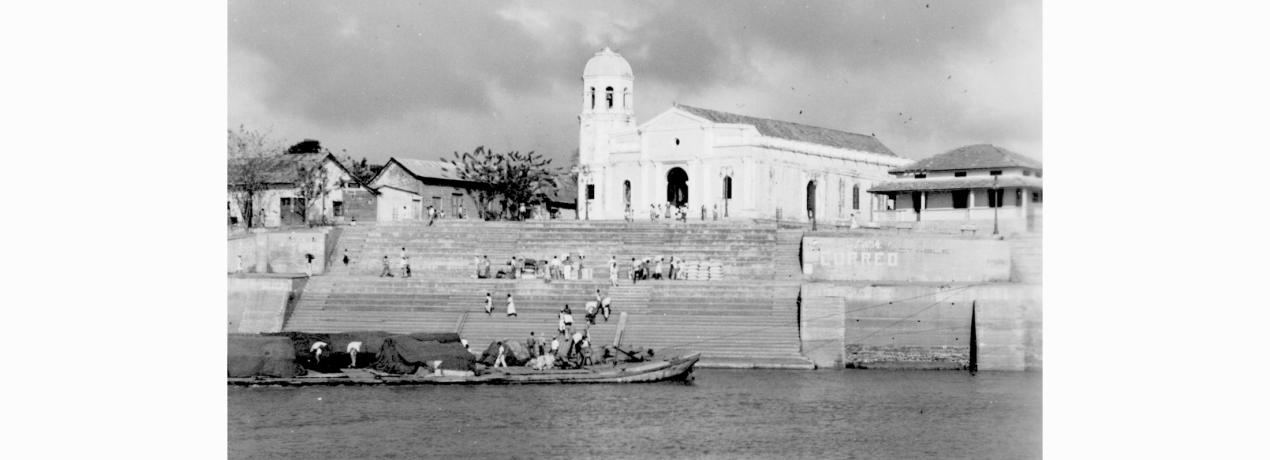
[{"x": 417, "y": 359}]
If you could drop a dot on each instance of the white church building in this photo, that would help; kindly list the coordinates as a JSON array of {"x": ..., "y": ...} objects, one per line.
[{"x": 746, "y": 167}]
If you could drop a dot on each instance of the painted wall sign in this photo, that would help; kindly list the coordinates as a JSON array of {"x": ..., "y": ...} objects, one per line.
[{"x": 905, "y": 258}]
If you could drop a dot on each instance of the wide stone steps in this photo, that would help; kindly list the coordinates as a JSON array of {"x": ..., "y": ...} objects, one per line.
[
  {"x": 733, "y": 324},
  {"x": 449, "y": 249}
]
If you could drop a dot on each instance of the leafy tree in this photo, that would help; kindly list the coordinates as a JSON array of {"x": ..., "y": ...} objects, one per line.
[
  {"x": 250, "y": 155},
  {"x": 507, "y": 179},
  {"x": 361, "y": 170},
  {"x": 313, "y": 185}
]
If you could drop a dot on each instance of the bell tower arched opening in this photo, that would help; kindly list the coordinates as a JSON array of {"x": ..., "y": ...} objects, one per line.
[{"x": 677, "y": 187}]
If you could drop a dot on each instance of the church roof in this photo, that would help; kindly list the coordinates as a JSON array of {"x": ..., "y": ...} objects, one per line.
[
  {"x": 607, "y": 63},
  {"x": 979, "y": 156},
  {"x": 795, "y": 131}
]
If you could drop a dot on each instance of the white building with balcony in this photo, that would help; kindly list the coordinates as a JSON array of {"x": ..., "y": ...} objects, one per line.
[{"x": 981, "y": 186}]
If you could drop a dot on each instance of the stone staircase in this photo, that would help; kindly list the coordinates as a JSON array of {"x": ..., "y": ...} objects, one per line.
[
  {"x": 449, "y": 249},
  {"x": 733, "y": 323},
  {"x": 788, "y": 260}
]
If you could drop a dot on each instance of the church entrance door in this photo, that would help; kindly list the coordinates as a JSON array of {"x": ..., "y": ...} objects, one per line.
[{"x": 677, "y": 187}]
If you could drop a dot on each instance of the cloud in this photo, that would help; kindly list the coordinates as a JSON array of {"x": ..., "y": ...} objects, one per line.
[{"x": 415, "y": 79}]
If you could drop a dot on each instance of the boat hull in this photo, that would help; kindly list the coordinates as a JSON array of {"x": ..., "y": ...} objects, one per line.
[{"x": 674, "y": 369}]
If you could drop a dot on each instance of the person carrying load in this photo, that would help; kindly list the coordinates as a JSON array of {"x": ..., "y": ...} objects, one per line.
[
  {"x": 353, "y": 349},
  {"x": 317, "y": 349}
]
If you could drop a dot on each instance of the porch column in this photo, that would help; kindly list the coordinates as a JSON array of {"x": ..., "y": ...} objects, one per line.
[
  {"x": 923, "y": 201},
  {"x": 970, "y": 205}
]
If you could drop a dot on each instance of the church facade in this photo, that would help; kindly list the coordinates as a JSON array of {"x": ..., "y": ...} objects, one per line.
[{"x": 740, "y": 166}]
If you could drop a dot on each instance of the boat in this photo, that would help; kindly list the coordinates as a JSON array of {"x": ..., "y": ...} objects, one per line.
[{"x": 678, "y": 368}]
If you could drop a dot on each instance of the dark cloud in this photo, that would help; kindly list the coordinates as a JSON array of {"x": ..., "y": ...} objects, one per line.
[{"x": 417, "y": 78}]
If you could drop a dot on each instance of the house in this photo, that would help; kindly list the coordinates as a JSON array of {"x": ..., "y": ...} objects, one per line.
[
  {"x": 405, "y": 188},
  {"x": 977, "y": 185},
  {"x": 278, "y": 198}
]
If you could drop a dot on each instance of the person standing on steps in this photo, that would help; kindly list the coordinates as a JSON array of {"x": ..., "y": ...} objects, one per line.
[
  {"x": 239, "y": 270},
  {"x": 511, "y": 306},
  {"x": 406, "y": 262},
  {"x": 401, "y": 263},
  {"x": 703, "y": 213},
  {"x": 489, "y": 305},
  {"x": 612, "y": 271},
  {"x": 345, "y": 257},
  {"x": 716, "y": 212},
  {"x": 634, "y": 271},
  {"x": 567, "y": 317},
  {"x": 308, "y": 265},
  {"x": 387, "y": 271}
]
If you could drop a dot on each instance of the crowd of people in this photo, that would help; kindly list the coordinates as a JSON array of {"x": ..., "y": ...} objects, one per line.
[
  {"x": 670, "y": 211},
  {"x": 567, "y": 268},
  {"x": 577, "y": 340}
]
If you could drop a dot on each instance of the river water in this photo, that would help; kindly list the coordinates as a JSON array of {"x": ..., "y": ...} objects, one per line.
[{"x": 722, "y": 414}]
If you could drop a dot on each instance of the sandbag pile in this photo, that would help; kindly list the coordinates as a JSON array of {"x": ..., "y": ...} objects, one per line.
[{"x": 253, "y": 355}]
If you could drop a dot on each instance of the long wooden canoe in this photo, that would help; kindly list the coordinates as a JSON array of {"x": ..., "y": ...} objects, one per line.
[{"x": 676, "y": 368}]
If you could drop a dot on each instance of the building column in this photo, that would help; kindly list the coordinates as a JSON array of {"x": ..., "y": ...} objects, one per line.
[
  {"x": 923, "y": 201},
  {"x": 970, "y": 205}
]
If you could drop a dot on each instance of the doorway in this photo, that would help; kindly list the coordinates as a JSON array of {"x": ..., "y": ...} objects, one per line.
[
  {"x": 677, "y": 187},
  {"x": 811, "y": 199}
]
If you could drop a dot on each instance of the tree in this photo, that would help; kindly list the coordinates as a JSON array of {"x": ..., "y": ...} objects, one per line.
[
  {"x": 361, "y": 170},
  {"x": 313, "y": 184},
  {"x": 250, "y": 155},
  {"x": 510, "y": 179}
]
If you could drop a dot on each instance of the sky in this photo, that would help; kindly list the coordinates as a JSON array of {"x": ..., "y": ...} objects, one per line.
[{"x": 423, "y": 79}]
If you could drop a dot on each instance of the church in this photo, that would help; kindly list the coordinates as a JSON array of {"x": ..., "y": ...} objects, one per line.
[{"x": 740, "y": 166}]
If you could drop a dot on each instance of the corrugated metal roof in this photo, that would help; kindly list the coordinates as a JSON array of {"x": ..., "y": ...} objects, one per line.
[
  {"x": 277, "y": 169},
  {"x": 795, "y": 131},
  {"x": 979, "y": 156},
  {"x": 958, "y": 183},
  {"x": 429, "y": 168}
]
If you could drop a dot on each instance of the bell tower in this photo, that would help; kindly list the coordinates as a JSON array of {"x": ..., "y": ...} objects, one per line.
[{"x": 608, "y": 103}]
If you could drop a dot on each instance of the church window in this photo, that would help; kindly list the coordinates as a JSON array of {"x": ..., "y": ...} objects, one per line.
[
  {"x": 959, "y": 174},
  {"x": 593, "y": 97},
  {"x": 919, "y": 176},
  {"x": 855, "y": 197},
  {"x": 590, "y": 191},
  {"x": 608, "y": 96},
  {"x": 994, "y": 172},
  {"x": 676, "y": 141},
  {"x": 727, "y": 187}
]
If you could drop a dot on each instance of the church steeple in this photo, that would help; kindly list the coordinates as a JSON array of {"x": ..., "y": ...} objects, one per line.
[{"x": 608, "y": 103}]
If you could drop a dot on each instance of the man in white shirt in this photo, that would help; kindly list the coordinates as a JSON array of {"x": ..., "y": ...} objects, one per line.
[
  {"x": 612, "y": 270},
  {"x": 353, "y": 349},
  {"x": 605, "y": 308},
  {"x": 501, "y": 361}
]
